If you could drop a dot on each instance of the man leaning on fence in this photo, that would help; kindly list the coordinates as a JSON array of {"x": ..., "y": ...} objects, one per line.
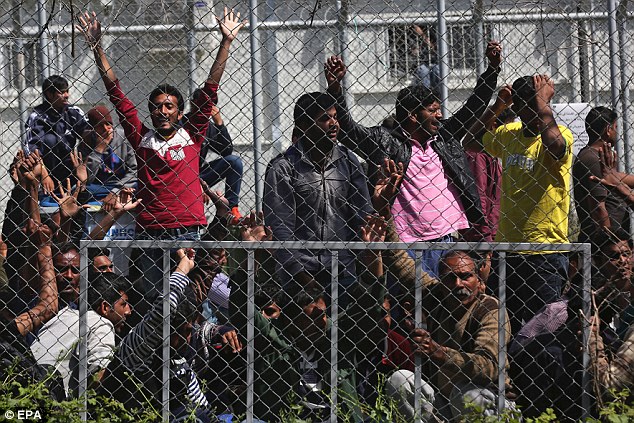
[
  {"x": 168, "y": 155},
  {"x": 459, "y": 346},
  {"x": 536, "y": 158},
  {"x": 438, "y": 196},
  {"x": 293, "y": 352}
]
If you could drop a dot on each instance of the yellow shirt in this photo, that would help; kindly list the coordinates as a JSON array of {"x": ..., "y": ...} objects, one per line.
[{"x": 535, "y": 186}]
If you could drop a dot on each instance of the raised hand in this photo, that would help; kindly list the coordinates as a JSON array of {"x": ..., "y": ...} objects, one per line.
[
  {"x": 253, "y": 228},
  {"x": 67, "y": 200},
  {"x": 90, "y": 26},
  {"x": 39, "y": 234},
  {"x": 14, "y": 169},
  {"x": 230, "y": 24},
  {"x": 79, "y": 166},
  {"x": 374, "y": 229},
  {"x": 387, "y": 186},
  {"x": 121, "y": 203},
  {"x": 611, "y": 178},
  {"x": 494, "y": 53},
  {"x": 544, "y": 88},
  {"x": 335, "y": 70},
  {"x": 186, "y": 257},
  {"x": 30, "y": 169},
  {"x": 218, "y": 199}
]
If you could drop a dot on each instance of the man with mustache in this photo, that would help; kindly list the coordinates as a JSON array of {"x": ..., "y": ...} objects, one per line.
[
  {"x": 459, "y": 345},
  {"x": 438, "y": 196},
  {"x": 316, "y": 191}
]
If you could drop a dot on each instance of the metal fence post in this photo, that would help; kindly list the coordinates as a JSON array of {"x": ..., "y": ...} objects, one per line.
[
  {"x": 165, "y": 400},
  {"x": 43, "y": 41},
  {"x": 83, "y": 328},
  {"x": 256, "y": 92},
  {"x": 586, "y": 264},
  {"x": 502, "y": 333},
  {"x": 334, "y": 335},
  {"x": 443, "y": 55},
  {"x": 250, "y": 332},
  {"x": 418, "y": 316}
]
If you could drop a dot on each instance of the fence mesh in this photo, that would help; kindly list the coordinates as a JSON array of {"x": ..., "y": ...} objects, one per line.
[{"x": 315, "y": 211}]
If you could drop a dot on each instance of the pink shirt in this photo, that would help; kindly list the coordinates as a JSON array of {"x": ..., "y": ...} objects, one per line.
[{"x": 427, "y": 206}]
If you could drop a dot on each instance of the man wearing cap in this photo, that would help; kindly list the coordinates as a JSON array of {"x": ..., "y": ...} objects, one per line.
[{"x": 110, "y": 165}]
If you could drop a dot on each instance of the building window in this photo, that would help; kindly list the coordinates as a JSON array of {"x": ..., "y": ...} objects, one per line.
[{"x": 412, "y": 46}]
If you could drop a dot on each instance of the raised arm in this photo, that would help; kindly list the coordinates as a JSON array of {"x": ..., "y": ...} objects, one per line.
[
  {"x": 476, "y": 104},
  {"x": 90, "y": 26},
  {"x": 472, "y": 140},
  {"x": 552, "y": 138},
  {"x": 123, "y": 202},
  {"x": 230, "y": 25},
  {"x": 362, "y": 140},
  {"x": 47, "y": 304},
  {"x": 146, "y": 337}
]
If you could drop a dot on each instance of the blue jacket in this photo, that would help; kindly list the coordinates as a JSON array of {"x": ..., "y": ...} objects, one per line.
[{"x": 55, "y": 136}]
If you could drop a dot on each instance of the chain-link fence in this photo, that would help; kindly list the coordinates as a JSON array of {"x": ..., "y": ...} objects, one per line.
[{"x": 415, "y": 196}]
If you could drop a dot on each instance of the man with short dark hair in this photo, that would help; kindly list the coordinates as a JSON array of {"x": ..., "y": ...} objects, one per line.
[
  {"x": 438, "y": 195},
  {"x": 100, "y": 260},
  {"x": 168, "y": 155},
  {"x": 536, "y": 158},
  {"x": 57, "y": 341},
  {"x": 316, "y": 191},
  {"x": 598, "y": 208},
  {"x": 53, "y": 128},
  {"x": 66, "y": 261},
  {"x": 110, "y": 165}
]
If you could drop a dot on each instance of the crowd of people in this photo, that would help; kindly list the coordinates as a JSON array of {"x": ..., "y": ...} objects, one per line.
[{"x": 493, "y": 171}]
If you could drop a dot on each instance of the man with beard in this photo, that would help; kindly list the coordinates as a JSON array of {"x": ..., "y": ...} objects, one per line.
[
  {"x": 459, "y": 346},
  {"x": 67, "y": 272},
  {"x": 438, "y": 195},
  {"x": 57, "y": 342},
  {"x": 316, "y": 191}
]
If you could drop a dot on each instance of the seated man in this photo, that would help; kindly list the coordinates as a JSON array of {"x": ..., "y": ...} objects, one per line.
[
  {"x": 110, "y": 166},
  {"x": 460, "y": 344},
  {"x": 57, "y": 341},
  {"x": 228, "y": 166},
  {"x": 54, "y": 128},
  {"x": 293, "y": 364},
  {"x": 134, "y": 376}
]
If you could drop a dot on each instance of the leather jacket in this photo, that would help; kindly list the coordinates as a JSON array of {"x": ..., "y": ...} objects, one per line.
[
  {"x": 304, "y": 202},
  {"x": 377, "y": 143}
]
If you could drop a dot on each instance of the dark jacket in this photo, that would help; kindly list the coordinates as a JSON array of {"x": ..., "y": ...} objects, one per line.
[
  {"x": 377, "y": 143},
  {"x": 55, "y": 136},
  {"x": 303, "y": 202},
  {"x": 278, "y": 360}
]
